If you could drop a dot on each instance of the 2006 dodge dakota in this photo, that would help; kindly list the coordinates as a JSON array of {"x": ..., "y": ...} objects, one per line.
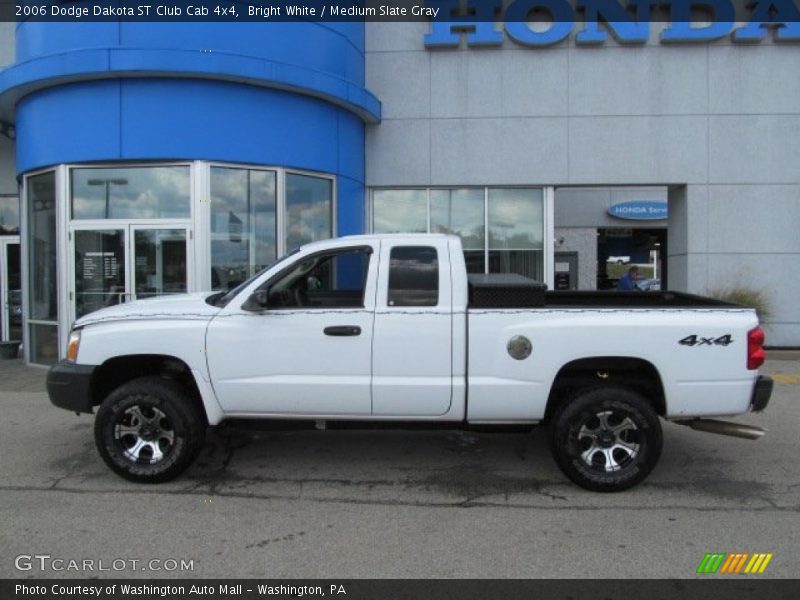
[{"x": 391, "y": 328}]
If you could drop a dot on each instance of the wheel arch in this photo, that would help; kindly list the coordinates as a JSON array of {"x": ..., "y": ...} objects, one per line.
[
  {"x": 119, "y": 370},
  {"x": 632, "y": 372}
]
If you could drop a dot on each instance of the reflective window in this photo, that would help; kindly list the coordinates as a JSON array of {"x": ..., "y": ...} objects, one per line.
[
  {"x": 42, "y": 247},
  {"x": 160, "y": 262},
  {"x": 309, "y": 209},
  {"x": 243, "y": 224},
  {"x": 513, "y": 218},
  {"x": 9, "y": 215},
  {"x": 400, "y": 211},
  {"x": 44, "y": 343},
  {"x": 42, "y": 295},
  {"x": 413, "y": 276},
  {"x": 516, "y": 231},
  {"x": 331, "y": 280},
  {"x": 13, "y": 299},
  {"x": 461, "y": 212},
  {"x": 131, "y": 193}
]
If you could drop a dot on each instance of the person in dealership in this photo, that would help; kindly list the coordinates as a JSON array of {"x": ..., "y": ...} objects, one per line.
[{"x": 627, "y": 282}]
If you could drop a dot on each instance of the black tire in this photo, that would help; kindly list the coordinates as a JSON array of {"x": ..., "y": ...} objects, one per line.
[
  {"x": 606, "y": 439},
  {"x": 149, "y": 430}
]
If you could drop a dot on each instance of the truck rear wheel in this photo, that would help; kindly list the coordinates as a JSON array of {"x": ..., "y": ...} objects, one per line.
[
  {"x": 149, "y": 430},
  {"x": 606, "y": 439}
]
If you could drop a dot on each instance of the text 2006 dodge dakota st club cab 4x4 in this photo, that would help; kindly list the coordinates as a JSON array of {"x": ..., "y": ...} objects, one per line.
[{"x": 391, "y": 328}]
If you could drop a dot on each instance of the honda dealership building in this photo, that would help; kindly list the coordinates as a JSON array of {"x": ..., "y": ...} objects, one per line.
[{"x": 139, "y": 159}]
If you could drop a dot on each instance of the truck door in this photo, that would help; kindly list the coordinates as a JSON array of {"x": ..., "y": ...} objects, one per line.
[
  {"x": 412, "y": 370},
  {"x": 309, "y": 351}
]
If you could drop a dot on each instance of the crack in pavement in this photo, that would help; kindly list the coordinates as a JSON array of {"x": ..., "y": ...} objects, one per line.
[{"x": 466, "y": 503}]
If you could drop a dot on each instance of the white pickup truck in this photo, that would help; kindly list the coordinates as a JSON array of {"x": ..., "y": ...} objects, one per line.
[{"x": 391, "y": 328}]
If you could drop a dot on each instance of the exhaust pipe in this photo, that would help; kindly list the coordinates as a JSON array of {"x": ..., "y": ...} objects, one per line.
[{"x": 748, "y": 432}]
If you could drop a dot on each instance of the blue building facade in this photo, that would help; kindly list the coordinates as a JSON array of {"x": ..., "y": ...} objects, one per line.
[
  {"x": 290, "y": 95},
  {"x": 159, "y": 158}
]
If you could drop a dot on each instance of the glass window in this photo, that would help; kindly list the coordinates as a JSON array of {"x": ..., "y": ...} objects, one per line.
[
  {"x": 9, "y": 215},
  {"x": 309, "y": 209},
  {"x": 159, "y": 262},
  {"x": 131, "y": 193},
  {"x": 42, "y": 248},
  {"x": 413, "y": 276},
  {"x": 43, "y": 340},
  {"x": 42, "y": 295},
  {"x": 400, "y": 211},
  {"x": 331, "y": 280},
  {"x": 13, "y": 297},
  {"x": 515, "y": 224},
  {"x": 461, "y": 212},
  {"x": 516, "y": 231},
  {"x": 243, "y": 224}
]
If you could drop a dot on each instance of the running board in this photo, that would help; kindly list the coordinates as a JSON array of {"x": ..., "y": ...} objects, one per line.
[{"x": 748, "y": 432}]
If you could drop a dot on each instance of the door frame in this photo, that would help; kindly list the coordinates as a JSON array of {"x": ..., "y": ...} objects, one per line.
[
  {"x": 391, "y": 376},
  {"x": 128, "y": 227},
  {"x": 5, "y": 316}
]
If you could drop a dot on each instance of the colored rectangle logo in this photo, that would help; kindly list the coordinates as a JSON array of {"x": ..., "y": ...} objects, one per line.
[{"x": 734, "y": 563}]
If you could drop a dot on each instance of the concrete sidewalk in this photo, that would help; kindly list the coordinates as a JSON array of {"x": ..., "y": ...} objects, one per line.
[{"x": 15, "y": 376}]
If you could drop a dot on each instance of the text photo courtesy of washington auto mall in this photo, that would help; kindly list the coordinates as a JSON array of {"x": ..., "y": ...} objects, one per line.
[{"x": 399, "y": 299}]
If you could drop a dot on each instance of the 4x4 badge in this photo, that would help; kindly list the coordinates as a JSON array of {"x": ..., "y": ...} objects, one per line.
[{"x": 696, "y": 340}]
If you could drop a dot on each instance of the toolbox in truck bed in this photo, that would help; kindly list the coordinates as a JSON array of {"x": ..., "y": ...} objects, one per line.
[{"x": 505, "y": 290}]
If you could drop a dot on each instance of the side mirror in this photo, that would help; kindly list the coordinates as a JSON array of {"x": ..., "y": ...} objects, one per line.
[{"x": 257, "y": 301}]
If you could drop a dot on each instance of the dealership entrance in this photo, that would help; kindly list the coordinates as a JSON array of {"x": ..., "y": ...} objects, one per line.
[
  {"x": 101, "y": 235},
  {"x": 113, "y": 265}
]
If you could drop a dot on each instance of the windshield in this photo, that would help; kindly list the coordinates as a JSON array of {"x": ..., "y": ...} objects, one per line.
[{"x": 224, "y": 299}]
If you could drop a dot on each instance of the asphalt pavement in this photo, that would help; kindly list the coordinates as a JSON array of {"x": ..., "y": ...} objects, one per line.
[{"x": 381, "y": 504}]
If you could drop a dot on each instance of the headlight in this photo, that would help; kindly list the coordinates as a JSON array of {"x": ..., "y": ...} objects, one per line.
[{"x": 72, "y": 345}]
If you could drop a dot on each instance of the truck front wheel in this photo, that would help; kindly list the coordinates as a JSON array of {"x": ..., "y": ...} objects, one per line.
[
  {"x": 149, "y": 430},
  {"x": 606, "y": 439}
]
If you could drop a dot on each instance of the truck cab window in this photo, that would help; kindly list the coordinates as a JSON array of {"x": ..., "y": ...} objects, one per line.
[
  {"x": 329, "y": 280},
  {"x": 413, "y": 276}
]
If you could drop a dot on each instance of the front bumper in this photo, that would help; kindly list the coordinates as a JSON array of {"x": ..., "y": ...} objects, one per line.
[
  {"x": 762, "y": 390},
  {"x": 68, "y": 386}
]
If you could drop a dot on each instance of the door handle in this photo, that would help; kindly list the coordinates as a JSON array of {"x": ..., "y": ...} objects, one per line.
[{"x": 342, "y": 330}]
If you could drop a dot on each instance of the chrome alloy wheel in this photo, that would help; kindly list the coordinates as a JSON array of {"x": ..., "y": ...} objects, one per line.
[
  {"x": 144, "y": 434},
  {"x": 608, "y": 441}
]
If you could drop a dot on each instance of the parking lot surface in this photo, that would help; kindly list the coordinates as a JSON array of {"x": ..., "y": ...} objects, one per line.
[{"x": 364, "y": 504}]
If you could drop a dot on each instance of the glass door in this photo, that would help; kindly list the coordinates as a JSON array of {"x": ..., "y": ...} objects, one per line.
[
  {"x": 160, "y": 261},
  {"x": 10, "y": 289},
  {"x": 99, "y": 266},
  {"x": 119, "y": 264}
]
